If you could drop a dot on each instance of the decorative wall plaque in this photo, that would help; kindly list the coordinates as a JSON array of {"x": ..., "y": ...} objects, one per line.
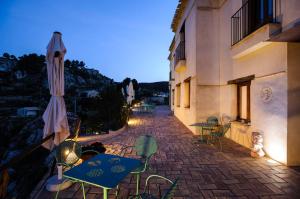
[{"x": 266, "y": 94}]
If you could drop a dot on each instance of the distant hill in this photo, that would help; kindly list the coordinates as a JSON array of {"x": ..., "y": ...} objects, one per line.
[
  {"x": 162, "y": 86},
  {"x": 23, "y": 80}
]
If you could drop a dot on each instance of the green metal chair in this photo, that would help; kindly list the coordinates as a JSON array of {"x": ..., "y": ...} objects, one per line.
[
  {"x": 68, "y": 153},
  {"x": 220, "y": 133},
  {"x": 168, "y": 194},
  {"x": 145, "y": 146},
  {"x": 212, "y": 120}
]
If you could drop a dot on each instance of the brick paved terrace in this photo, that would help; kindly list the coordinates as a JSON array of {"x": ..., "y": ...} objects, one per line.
[{"x": 203, "y": 171}]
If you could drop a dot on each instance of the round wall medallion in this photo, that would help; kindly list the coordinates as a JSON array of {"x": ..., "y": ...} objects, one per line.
[{"x": 266, "y": 94}]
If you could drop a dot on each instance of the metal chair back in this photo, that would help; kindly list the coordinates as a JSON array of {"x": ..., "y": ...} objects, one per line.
[
  {"x": 212, "y": 120},
  {"x": 167, "y": 195},
  {"x": 225, "y": 128},
  {"x": 170, "y": 192},
  {"x": 145, "y": 146}
]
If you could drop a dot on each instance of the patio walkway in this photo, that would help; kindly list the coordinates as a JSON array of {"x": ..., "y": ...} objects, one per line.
[{"x": 204, "y": 172}]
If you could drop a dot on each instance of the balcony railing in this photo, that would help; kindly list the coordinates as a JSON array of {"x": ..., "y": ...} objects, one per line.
[
  {"x": 179, "y": 52},
  {"x": 252, "y": 15},
  {"x": 170, "y": 76}
]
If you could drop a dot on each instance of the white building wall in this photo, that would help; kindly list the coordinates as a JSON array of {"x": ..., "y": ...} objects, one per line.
[
  {"x": 269, "y": 65},
  {"x": 211, "y": 61},
  {"x": 188, "y": 115},
  {"x": 288, "y": 12}
]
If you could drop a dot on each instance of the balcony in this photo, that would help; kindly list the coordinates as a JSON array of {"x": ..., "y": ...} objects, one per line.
[
  {"x": 179, "y": 61},
  {"x": 250, "y": 17},
  {"x": 171, "y": 78}
]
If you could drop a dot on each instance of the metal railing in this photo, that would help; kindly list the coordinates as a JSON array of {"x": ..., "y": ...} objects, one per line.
[
  {"x": 179, "y": 52},
  {"x": 252, "y": 15},
  {"x": 4, "y": 174},
  {"x": 4, "y": 182}
]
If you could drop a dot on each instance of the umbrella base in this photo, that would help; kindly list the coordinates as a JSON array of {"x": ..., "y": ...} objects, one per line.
[{"x": 53, "y": 184}]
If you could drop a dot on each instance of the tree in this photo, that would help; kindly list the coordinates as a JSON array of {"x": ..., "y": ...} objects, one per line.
[
  {"x": 104, "y": 112},
  {"x": 67, "y": 63},
  {"x": 31, "y": 64},
  {"x": 126, "y": 81},
  {"x": 135, "y": 84},
  {"x": 6, "y": 55}
]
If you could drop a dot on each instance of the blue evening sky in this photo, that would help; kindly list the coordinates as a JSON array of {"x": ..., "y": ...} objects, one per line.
[{"x": 120, "y": 38}]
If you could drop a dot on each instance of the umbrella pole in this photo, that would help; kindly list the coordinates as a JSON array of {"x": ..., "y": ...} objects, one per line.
[
  {"x": 59, "y": 168},
  {"x": 56, "y": 182}
]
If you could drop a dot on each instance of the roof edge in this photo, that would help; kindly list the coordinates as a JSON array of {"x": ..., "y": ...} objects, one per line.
[{"x": 178, "y": 14}]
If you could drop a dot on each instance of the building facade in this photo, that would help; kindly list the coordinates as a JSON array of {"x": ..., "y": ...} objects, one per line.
[{"x": 240, "y": 59}]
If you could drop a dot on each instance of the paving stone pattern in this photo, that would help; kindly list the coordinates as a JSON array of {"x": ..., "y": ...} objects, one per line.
[{"x": 203, "y": 170}]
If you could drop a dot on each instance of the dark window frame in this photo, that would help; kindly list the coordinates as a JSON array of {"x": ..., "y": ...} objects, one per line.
[
  {"x": 188, "y": 81},
  {"x": 248, "y": 85},
  {"x": 173, "y": 97},
  {"x": 244, "y": 81},
  {"x": 178, "y": 87}
]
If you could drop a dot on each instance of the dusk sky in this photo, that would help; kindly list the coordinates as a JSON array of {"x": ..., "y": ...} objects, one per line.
[{"x": 120, "y": 38}]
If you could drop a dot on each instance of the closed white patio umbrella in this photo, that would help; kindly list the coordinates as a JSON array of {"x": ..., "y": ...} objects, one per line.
[
  {"x": 130, "y": 93},
  {"x": 55, "y": 116}
]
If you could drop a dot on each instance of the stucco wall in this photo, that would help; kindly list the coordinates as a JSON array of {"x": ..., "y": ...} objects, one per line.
[
  {"x": 228, "y": 101},
  {"x": 293, "y": 139},
  {"x": 269, "y": 65},
  {"x": 266, "y": 60},
  {"x": 271, "y": 117},
  {"x": 188, "y": 115},
  {"x": 288, "y": 11},
  {"x": 207, "y": 46},
  {"x": 211, "y": 64},
  {"x": 208, "y": 102}
]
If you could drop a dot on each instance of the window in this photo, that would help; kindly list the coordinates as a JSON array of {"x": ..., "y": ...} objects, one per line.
[
  {"x": 173, "y": 96},
  {"x": 178, "y": 94},
  {"x": 243, "y": 101},
  {"x": 243, "y": 97},
  {"x": 187, "y": 93}
]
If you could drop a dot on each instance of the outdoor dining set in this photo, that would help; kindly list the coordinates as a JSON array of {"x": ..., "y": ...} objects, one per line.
[
  {"x": 106, "y": 171},
  {"x": 102, "y": 170},
  {"x": 212, "y": 131},
  {"x": 144, "y": 108}
]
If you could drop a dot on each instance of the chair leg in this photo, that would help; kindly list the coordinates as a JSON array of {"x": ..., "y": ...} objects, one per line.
[
  {"x": 220, "y": 143},
  {"x": 83, "y": 191},
  {"x": 56, "y": 195},
  {"x": 138, "y": 177},
  {"x": 117, "y": 191}
]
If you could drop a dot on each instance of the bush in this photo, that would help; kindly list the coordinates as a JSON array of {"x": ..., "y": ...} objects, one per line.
[{"x": 104, "y": 112}]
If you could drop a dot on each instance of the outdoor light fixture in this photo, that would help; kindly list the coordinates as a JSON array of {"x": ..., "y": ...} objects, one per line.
[
  {"x": 67, "y": 152},
  {"x": 133, "y": 122},
  {"x": 71, "y": 157}
]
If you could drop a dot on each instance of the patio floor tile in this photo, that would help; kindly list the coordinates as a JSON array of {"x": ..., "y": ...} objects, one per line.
[{"x": 203, "y": 171}]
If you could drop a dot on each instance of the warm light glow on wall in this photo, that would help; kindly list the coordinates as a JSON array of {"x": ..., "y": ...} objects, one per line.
[
  {"x": 133, "y": 122},
  {"x": 276, "y": 149}
]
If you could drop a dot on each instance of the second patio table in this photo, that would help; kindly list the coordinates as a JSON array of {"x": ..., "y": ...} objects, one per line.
[
  {"x": 204, "y": 126},
  {"x": 103, "y": 170}
]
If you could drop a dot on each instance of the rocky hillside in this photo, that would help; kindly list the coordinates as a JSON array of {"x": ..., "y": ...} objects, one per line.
[
  {"x": 23, "y": 83},
  {"x": 24, "y": 80},
  {"x": 154, "y": 88}
]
